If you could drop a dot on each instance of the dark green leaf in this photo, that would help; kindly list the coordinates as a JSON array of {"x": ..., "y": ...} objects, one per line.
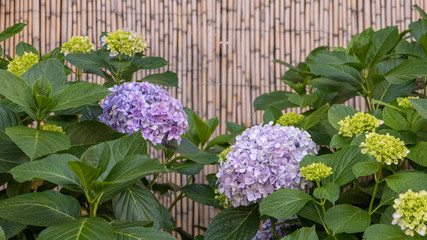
[
  {"x": 53, "y": 168},
  {"x": 11, "y": 31},
  {"x": 41, "y": 87},
  {"x": 97, "y": 156},
  {"x": 37, "y": 143},
  {"x": 8, "y": 118},
  {"x": 418, "y": 153},
  {"x": 127, "y": 146},
  {"x": 86, "y": 61},
  {"x": 82, "y": 229},
  {"x": 186, "y": 167},
  {"x": 234, "y": 224},
  {"x": 304, "y": 233},
  {"x": 86, "y": 173},
  {"x": 168, "y": 79},
  {"x": 408, "y": 70},
  {"x": 340, "y": 141},
  {"x": 200, "y": 193},
  {"x": 23, "y": 48},
  {"x": 383, "y": 41},
  {"x": 203, "y": 130},
  {"x": 329, "y": 191},
  {"x": 10, "y": 155},
  {"x": 402, "y": 181},
  {"x": 15, "y": 188},
  {"x": 284, "y": 203},
  {"x": 271, "y": 114},
  {"x": 40, "y": 208},
  {"x": 366, "y": 168},
  {"x": 314, "y": 118},
  {"x": 90, "y": 132},
  {"x": 341, "y": 73},
  {"x": 11, "y": 228},
  {"x": 141, "y": 233},
  {"x": 277, "y": 99},
  {"x": 420, "y": 105},
  {"x": 383, "y": 232},
  {"x": 418, "y": 28},
  {"x": 52, "y": 69},
  {"x": 149, "y": 63},
  {"x": 347, "y": 219},
  {"x": 302, "y": 101},
  {"x": 339, "y": 112}
]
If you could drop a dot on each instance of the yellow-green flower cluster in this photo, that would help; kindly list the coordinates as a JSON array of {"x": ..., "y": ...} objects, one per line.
[
  {"x": 19, "y": 65},
  {"x": 360, "y": 123},
  {"x": 223, "y": 155},
  {"x": 53, "y": 128},
  {"x": 77, "y": 45},
  {"x": 405, "y": 103},
  {"x": 289, "y": 119},
  {"x": 316, "y": 171},
  {"x": 124, "y": 42},
  {"x": 385, "y": 148},
  {"x": 411, "y": 212},
  {"x": 222, "y": 198}
]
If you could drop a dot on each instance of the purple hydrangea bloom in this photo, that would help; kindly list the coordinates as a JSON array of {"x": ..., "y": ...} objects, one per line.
[
  {"x": 266, "y": 233},
  {"x": 263, "y": 160},
  {"x": 143, "y": 106}
]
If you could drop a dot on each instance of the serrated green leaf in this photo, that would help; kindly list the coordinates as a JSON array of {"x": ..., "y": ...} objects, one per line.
[
  {"x": 383, "y": 232},
  {"x": 86, "y": 61},
  {"x": 40, "y": 208},
  {"x": 8, "y": 118},
  {"x": 420, "y": 105},
  {"x": 365, "y": 168},
  {"x": 271, "y": 114},
  {"x": 37, "y": 143},
  {"x": 53, "y": 168},
  {"x": 91, "y": 132},
  {"x": 149, "y": 63},
  {"x": 52, "y": 69},
  {"x": 141, "y": 233},
  {"x": 304, "y": 233},
  {"x": 402, "y": 181},
  {"x": 11, "y": 31},
  {"x": 314, "y": 118},
  {"x": 168, "y": 79},
  {"x": 277, "y": 99},
  {"x": 302, "y": 101},
  {"x": 418, "y": 153},
  {"x": 203, "y": 130},
  {"x": 86, "y": 173},
  {"x": 97, "y": 156},
  {"x": 408, "y": 70},
  {"x": 200, "y": 193},
  {"x": 284, "y": 203},
  {"x": 329, "y": 191},
  {"x": 345, "y": 218},
  {"x": 383, "y": 41},
  {"x": 338, "y": 112},
  {"x": 234, "y": 224},
  {"x": 22, "y": 48},
  {"x": 82, "y": 229},
  {"x": 10, "y": 155}
]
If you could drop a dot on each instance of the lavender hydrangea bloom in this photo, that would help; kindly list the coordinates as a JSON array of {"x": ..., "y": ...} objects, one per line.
[
  {"x": 143, "y": 106},
  {"x": 266, "y": 233},
  {"x": 263, "y": 160}
]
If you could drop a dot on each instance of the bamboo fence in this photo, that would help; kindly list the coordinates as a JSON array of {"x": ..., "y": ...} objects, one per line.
[{"x": 222, "y": 50}]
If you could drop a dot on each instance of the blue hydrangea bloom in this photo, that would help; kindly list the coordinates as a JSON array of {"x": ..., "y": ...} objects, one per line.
[
  {"x": 266, "y": 233},
  {"x": 143, "y": 106},
  {"x": 265, "y": 158}
]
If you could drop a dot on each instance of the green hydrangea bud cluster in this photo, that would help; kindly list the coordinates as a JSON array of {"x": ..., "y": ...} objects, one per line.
[
  {"x": 124, "y": 42},
  {"x": 385, "y": 148},
  {"x": 405, "y": 103},
  {"x": 53, "y": 128},
  {"x": 223, "y": 155},
  {"x": 289, "y": 119},
  {"x": 360, "y": 123},
  {"x": 411, "y": 212},
  {"x": 316, "y": 171},
  {"x": 77, "y": 45},
  {"x": 222, "y": 198},
  {"x": 19, "y": 65}
]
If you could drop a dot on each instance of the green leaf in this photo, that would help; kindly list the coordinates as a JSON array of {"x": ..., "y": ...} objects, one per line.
[
  {"x": 22, "y": 48},
  {"x": 90, "y": 132},
  {"x": 52, "y": 69},
  {"x": 340, "y": 141},
  {"x": 366, "y": 168},
  {"x": 82, "y": 229},
  {"x": 168, "y": 79},
  {"x": 329, "y": 191},
  {"x": 329, "y": 85},
  {"x": 55, "y": 53},
  {"x": 304, "y": 100},
  {"x": 384, "y": 232},
  {"x": 86, "y": 173},
  {"x": 234, "y": 224},
  {"x": 383, "y": 41},
  {"x": 42, "y": 87},
  {"x": 271, "y": 114},
  {"x": 186, "y": 167},
  {"x": 53, "y": 168},
  {"x": 408, "y": 70},
  {"x": 149, "y": 63},
  {"x": 37, "y": 143},
  {"x": 10, "y": 155},
  {"x": 304, "y": 233},
  {"x": 79, "y": 94},
  {"x": 418, "y": 28},
  {"x": 17, "y": 91},
  {"x": 2, "y": 235},
  {"x": 120, "y": 64},
  {"x": 277, "y": 99},
  {"x": 15, "y": 188},
  {"x": 314, "y": 117},
  {"x": 203, "y": 130},
  {"x": 86, "y": 61},
  {"x": 234, "y": 127},
  {"x": 200, "y": 193},
  {"x": 11, "y": 228},
  {"x": 394, "y": 119},
  {"x": 141, "y": 233},
  {"x": 97, "y": 156},
  {"x": 345, "y": 218},
  {"x": 284, "y": 203},
  {"x": 402, "y": 181},
  {"x": 420, "y": 105},
  {"x": 127, "y": 146},
  {"x": 388, "y": 92},
  {"x": 11, "y": 31},
  {"x": 40, "y": 208},
  {"x": 8, "y": 118},
  {"x": 338, "y": 112},
  {"x": 341, "y": 73},
  {"x": 418, "y": 153},
  {"x": 137, "y": 204}
]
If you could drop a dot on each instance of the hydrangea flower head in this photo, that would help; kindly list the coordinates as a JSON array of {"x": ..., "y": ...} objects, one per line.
[
  {"x": 289, "y": 119},
  {"x": 360, "y": 123},
  {"x": 222, "y": 199},
  {"x": 264, "y": 158},
  {"x": 411, "y": 212},
  {"x": 266, "y": 232},
  {"x": 385, "y": 148},
  {"x": 135, "y": 106},
  {"x": 53, "y": 128},
  {"x": 222, "y": 157},
  {"x": 405, "y": 103},
  {"x": 21, "y": 64},
  {"x": 316, "y": 172},
  {"x": 124, "y": 42},
  {"x": 77, "y": 45}
]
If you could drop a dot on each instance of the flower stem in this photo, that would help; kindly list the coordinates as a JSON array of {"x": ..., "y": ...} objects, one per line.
[
  {"x": 273, "y": 228},
  {"x": 180, "y": 196},
  {"x": 377, "y": 181}
]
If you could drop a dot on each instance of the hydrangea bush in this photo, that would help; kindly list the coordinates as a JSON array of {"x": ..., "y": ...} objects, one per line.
[{"x": 75, "y": 163}]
